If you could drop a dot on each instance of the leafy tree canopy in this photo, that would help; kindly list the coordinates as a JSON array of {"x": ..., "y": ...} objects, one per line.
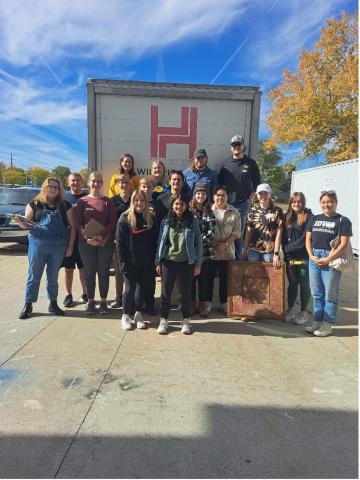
[
  {"x": 37, "y": 175},
  {"x": 61, "y": 173},
  {"x": 318, "y": 105}
]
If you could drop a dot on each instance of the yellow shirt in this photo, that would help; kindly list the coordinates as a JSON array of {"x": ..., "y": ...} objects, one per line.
[{"x": 114, "y": 188}]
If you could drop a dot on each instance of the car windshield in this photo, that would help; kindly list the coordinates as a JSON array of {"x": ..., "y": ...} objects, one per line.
[{"x": 15, "y": 196}]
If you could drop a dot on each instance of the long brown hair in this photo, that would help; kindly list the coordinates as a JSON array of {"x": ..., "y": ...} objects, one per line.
[
  {"x": 42, "y": 196},
  {"x": 299, "y": 218},
  {"x": 132, "y": 172},
  {"x": 206, "y": 206}
]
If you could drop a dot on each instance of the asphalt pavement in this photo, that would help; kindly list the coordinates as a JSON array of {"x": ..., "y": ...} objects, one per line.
[{"x": 80, "y": 398}]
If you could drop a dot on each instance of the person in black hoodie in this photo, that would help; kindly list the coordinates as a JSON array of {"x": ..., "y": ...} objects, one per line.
[
  {"x": 136, "y": 242},
  {"x": 296, "y": 257},
  {"x": 121, "y": 203}
]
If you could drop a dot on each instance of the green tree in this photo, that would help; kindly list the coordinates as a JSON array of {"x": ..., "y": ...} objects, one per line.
[
  {"x": 37, "y": 175},
  {"x": 277, "y": 176},
  {"x": 84, "y": 172},
  {"x": 318, "y": 105},
  {"x": 2, "y": 171},
  {"x": 61, "y": 173},
  {"x": 15, "y": 176}
]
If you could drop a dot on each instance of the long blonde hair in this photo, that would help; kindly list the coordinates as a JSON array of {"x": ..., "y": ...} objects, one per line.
[
  {"x": 42, "y": 196},
  {"x": 130, "y": 212},
  {"x": 165, "y": 177}
]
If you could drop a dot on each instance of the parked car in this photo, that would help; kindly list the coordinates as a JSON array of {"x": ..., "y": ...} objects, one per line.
[{"x": 14, "y": 200}]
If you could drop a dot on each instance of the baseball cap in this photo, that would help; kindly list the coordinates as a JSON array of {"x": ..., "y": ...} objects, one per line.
[
  {"x": 263, "y": 187},
  {"x": 237, "y": 138},
  {"x": 200, "y": 152}
]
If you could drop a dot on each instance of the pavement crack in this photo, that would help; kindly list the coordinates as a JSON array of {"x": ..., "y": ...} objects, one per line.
[{"x": 93, "y": 397}]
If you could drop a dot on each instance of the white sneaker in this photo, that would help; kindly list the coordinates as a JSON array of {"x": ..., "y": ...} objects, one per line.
[
  {"x": 314, "y": 326},
  {"x": 290, "y": 314},
  {"x": 324, "y": 330},
  {"x": 223, "y": 307},
  {"x": 125, "y": 322},
  {"x": 162, "y": 326},
  {"x": 208, "y": 306},
  {"x": 139, "y": 321},
  {"x": 304, "y": 317},
  {"x": 186, "y": 326}
]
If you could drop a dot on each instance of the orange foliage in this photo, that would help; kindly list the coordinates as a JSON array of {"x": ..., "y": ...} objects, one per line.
[{"x": 318, "y": 105}]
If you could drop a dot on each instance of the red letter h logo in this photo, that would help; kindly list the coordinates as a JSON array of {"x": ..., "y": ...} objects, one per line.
[{"x": 184, "y": 135}]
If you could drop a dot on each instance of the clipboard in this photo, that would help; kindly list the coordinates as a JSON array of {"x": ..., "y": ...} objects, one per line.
[{"x": 93, "y": 228}]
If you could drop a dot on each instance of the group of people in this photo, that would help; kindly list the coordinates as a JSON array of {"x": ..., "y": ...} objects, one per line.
[{"x": 185, "y": 228}]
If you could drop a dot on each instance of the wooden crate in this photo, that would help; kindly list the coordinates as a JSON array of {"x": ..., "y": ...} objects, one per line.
[{"x": 256, "y": 290}]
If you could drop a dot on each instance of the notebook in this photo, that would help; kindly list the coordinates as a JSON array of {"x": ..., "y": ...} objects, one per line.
[{"x": 93, "y": 228}]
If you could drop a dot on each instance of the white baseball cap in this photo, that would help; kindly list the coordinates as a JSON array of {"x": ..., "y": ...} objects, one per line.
[{"x": 263, "y": 187}]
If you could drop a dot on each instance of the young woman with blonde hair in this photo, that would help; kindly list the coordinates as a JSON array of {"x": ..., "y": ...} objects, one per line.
[
  {"x": 51, "y": 240},
  {"x": 136, "y": 247},
  {"x": 96, "y": 250},
  {"x": 160, "y": 178}
]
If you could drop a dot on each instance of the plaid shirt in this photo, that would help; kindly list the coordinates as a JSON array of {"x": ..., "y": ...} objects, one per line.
[{"x": 207, "y": 224}]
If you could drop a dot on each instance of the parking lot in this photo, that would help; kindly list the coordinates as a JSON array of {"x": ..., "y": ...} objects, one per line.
[{"x": 80, "y": 398}]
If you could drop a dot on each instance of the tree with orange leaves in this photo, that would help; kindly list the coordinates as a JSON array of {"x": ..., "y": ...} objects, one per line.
[{"x": 318, "y": 105}]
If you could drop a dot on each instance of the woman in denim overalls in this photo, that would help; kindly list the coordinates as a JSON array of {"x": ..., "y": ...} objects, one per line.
[{"x": 49, "y": 241}]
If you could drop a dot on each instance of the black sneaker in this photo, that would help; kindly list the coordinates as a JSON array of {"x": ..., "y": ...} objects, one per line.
[
  {"x": 54, "y": 308},
  {"x": 90, "y": 308},
  {"x": 117, "y": 303},
  {"x": 68, "y": 301},
  {"x": 26, "y": 311},
  {"x": 103, "y": 310},
  {"x": 84, "y": 298}
]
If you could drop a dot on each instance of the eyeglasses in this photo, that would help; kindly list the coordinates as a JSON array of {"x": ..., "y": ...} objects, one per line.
[
  {"x": 123, "y": 181},
  {"x": 327, "y": 191},
  {"x": 56, "y": 187},
  {"x": 236, "y": 144}
]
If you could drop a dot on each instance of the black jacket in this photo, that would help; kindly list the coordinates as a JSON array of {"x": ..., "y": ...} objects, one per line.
[
  {"x": 135, "y": 247},
  {"x": 241, "y": 177},
  {"x": 293, "y": 239}
]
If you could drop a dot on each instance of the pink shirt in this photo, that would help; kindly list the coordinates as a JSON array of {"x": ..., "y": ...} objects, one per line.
[{"x": 101, "y": 209}]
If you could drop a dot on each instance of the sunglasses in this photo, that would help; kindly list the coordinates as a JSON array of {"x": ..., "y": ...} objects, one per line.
[
  {"x": 327, "y": 191},
  {"x": 236, "y": 144}
]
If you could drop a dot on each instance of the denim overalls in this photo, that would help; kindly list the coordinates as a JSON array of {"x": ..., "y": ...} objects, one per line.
[{"x": 47, "y": 245}]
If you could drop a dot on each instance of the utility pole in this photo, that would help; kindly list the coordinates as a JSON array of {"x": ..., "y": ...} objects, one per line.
[{"x": 11, "y": 161}]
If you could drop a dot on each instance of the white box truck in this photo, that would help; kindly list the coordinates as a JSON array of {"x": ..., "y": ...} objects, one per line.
[
  {"x": 166, "y": 121},
  {"x": 343, "y": 177}
]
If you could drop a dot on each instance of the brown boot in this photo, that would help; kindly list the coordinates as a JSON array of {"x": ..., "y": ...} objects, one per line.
[{"x": 203, "y": 310}]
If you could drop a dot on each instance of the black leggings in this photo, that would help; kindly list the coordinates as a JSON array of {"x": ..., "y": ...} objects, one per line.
[
  {"x": 202, "y": 281},
  {"x": 171, "y": 270},
  {"x": 214, "y": 266},
  {"x": 138, "y": 286}
]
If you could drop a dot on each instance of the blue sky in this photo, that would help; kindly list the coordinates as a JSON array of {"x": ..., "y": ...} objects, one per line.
[{"x": 49, "y": 49}]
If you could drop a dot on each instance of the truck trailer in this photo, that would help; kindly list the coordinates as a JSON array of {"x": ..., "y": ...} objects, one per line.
[
  {"x": 343, "y": 177},
  {"x": 167, "y": 121}
]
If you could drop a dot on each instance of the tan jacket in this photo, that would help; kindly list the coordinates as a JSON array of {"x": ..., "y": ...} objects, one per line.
[{"x": 229, "y": 224}]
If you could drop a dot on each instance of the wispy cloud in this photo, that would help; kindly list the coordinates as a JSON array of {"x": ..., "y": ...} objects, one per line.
[{"x": 107, "y": 29}]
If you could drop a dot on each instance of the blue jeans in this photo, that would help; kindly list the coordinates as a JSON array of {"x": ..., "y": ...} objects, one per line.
[
  {"x": 254, "y": 256},
  {"x": 43, "y": 252},
  {"x": 324, "y": 285},
  {"x": 243, "y": 208}
]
